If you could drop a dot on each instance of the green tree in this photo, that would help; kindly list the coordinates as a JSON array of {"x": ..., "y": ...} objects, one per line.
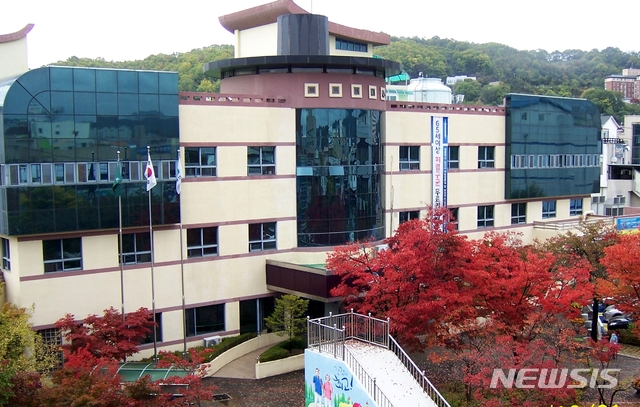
[
  {"x": 470, "y": 89},
  {"x": 494, "y": 94},
  {"x": 288, "y": 316},
  {"x": 609, "y": 102},
  {"x": 21, "y": 349}
]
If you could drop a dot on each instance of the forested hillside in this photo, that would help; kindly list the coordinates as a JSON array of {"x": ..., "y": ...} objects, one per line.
[{"x": 499, "y": 69}]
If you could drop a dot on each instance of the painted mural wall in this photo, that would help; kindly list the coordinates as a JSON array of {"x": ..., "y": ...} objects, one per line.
[{"x": 329, "y": 383}]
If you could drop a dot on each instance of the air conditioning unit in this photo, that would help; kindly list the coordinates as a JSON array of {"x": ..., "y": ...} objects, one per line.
[
  {"x": 212, "y": 340},
  {"x": 381, "y": 247}
]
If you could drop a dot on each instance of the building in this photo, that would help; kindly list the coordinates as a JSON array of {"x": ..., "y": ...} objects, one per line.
[
  {"x": 628, "y": 83},
  {"x": 13, "y": 48},
  {"x": 299, "y": 152},
  {"x": 452, "y": 80}
]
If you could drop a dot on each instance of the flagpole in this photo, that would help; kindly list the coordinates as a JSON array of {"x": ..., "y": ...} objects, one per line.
[
  {"x": 184, "y": 307},
  {"x": 120, "y": 239},
  {"x": 121, "y": 257},
  {"x": 153, "y": 294}
]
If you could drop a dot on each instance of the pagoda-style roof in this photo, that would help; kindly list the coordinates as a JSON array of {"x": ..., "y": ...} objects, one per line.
[
  {"x": 16, "y": 35},
  {"x": 268, "y": 14}
]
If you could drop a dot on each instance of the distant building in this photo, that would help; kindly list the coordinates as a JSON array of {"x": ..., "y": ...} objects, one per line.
[
  {"x": 452, "y": 80},
  {"x": 623, "y": 84},
  {"x": 628, "y": 83}
]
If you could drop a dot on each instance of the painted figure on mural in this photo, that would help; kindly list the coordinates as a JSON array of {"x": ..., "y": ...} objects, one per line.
[
  {"x": 327, "y": 391},
  {"x": 317, "y": 388}
]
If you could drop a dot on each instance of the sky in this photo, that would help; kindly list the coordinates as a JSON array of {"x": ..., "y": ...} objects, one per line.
[{"x": 121, "y": 30}]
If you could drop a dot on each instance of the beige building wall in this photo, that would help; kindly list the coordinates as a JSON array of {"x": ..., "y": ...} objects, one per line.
[
  {"x": 13, "y": 55},
  {"x": 257, "y": 42}
]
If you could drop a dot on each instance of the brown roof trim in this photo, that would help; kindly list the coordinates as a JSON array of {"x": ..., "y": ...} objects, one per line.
[
  {"x": 16, "y": 35},
  {"x": 259, "y": 15},
  {"x": 268, "y": 14},
  {"x": 357, "y": 34}
]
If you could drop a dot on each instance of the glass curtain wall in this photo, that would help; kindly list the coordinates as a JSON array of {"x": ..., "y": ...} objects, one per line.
[
  {"x": 61, "y": 129},
  {"x": 339, "y": 176},
  {"x": 553, "y": 147}
]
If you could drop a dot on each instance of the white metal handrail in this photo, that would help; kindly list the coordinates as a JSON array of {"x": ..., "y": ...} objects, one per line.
[{"x": 329, "y": 334}]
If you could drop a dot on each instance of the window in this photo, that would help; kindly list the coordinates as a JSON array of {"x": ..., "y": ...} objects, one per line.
[
  {"x": 261, "y": 160},
  {"x": 202, "y": 242},
  {"x": 262, "y": 236},
  {"x": 486, "y": 157},
  {"x": 373, "y": 92},
  {"x": 518, "y": 213},
  {"x": 406, "y": 216},
  {"x": 204, "y": 320},
  {"x": 62, "y": 254},
  {"x": 485, "y": 216},
  {"x": 347, "y": 45},
  {"x": 409, "y": 158},
  {"x": 454, "y": 157},
  {"x": 335, "y": 90},
  {"x": 454, "y": 216},
  {"x": 136, "y": 248},
  {"x": 575, "y": 207},
  {"x": 356, "y": 91},
  {"x": 52, "y": 339},
  {"x": 548, "y": 209},
  {"x": 614, "y": 211},
  {"x": 311, "y": 90},
  {"x": 158, "y": 329},
  {"x": 200, "y": 162},
  {"x": 6, "y": 254}
]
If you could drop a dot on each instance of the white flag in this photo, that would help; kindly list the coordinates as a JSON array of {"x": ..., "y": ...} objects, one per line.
[
  {"x": 178, "y": 175},
  {"x": 149, "y": 174}
]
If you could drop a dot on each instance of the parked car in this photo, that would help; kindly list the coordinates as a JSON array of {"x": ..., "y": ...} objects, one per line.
[
  {"x": 611, "y": 312},
  {"x": 618, "y": 322}
]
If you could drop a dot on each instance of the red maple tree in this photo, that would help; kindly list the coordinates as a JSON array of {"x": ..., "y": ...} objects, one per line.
[
  {"x": 90, "y": 376},
  {"x": 440, "y": 289},
  {"x": 106, "y": 337},
  {"x": 623, "y": 275},
  {"x": 192, "y": 390}
]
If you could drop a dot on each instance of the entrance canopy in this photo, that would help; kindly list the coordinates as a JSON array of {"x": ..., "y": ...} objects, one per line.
[{"x": 132, "y": 371}]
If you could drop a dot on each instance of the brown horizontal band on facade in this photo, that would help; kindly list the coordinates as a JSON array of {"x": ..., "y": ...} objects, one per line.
[
  {"x": 448, "y": 109},
  {"x": 101, "y": 232},
  {"x": 247, "y": 143},
  {"x": 222, "y": 301},
  {"x": 238, "y": 178},
  {"x": 233, "y": 100},
  {"x": 189, "y": 339}
]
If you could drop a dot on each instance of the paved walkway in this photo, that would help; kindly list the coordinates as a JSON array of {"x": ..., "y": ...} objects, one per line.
[
  {"x": 242, "y": 368},
  {"x": 630, "y": 351}
]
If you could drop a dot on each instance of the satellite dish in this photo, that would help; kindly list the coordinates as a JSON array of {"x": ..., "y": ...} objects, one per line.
[{"x": 614, "y": 159}]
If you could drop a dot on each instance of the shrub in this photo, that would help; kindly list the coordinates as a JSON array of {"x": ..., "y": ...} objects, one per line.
[
  {"x": 627, "y": 337},
  {"x": 274, "y": 353},
  {"x": 299, "y": 342},
  {"x": 283, "y": 349}
]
